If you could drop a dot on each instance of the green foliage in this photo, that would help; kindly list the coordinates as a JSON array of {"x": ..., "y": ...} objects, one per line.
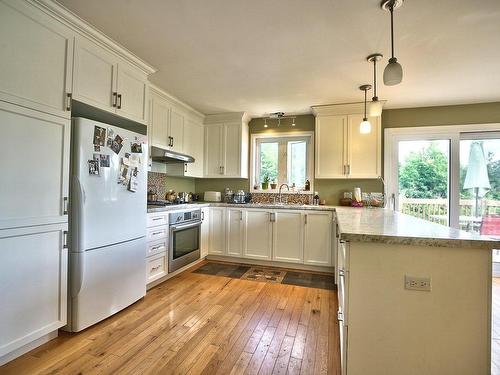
[
  {"x": 494, "y": 175},
  {"x": 269, "y": 162},
  {"x": 425, "y": 174}
]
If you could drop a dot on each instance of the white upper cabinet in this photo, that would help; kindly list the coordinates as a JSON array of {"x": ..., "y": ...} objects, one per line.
[
  {"x": 95, "y": 71},
  {"x": 35, "y": 169},
  {"x": 341, "y": 150},
  {"x": 132, "y": 89},
  {"x": 288, "y": 236},
  {"x": 258, "y": 234},
  {"x": 330, "y": 146},
  {"x": 176, "y": 130},
  {"x": 193, "y": 146},
  {"x": 234, "y": 231},
  {"x": 318, "y": 238},
  {"x": 226, "y": 145},
  {"x": 159, "y": 120},
  {"x": 36, "y": 62},
  {"x": 104, "y": 80},
  {"x": 364, "y": 150}
]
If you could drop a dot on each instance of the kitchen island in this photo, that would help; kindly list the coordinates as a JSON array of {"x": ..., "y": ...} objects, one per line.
[{"x": 414, "y": 296}]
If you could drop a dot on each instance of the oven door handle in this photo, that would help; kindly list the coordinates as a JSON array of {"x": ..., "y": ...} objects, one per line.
[{"x": 185, "y": 226}]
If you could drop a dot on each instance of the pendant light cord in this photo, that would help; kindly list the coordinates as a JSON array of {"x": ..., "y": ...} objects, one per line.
[
  {"x": 375, "y": 79},
  {"x": 365, "y": 118},
  {"x": 392, "y": 28}
]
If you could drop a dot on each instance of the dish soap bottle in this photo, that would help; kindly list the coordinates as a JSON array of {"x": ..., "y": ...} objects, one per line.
[
  {"x": 316, "y": 199},
  {"x": 307, "y": 186}
]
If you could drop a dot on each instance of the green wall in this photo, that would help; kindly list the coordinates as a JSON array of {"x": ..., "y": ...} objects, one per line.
[{"x": 332, "y": 190}]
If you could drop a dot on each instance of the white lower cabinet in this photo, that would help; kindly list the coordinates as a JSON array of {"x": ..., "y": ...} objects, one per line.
[
  {"x": 234, "y": 236},
  {"x": 217, "y": 239},
  {"x": 157, "y": 237},
  {"x": 258, "y": 234},
  {"x": 288, "y": 236},
  {"x": 318, "y": 238},
  {"x": 205, "y": 231},
  {"x": 33, "y": 275}
]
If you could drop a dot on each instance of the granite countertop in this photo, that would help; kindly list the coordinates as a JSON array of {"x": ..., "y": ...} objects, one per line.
[{"x": 373, "y": 225}]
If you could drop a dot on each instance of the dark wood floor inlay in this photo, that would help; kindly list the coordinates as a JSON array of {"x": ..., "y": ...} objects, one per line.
[{"x": 269, "y": 274}]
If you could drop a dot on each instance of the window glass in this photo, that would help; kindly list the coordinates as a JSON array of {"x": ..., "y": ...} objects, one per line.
[
  {"x": 297, "y": 162},
  {"x": 269, "y": 161}
]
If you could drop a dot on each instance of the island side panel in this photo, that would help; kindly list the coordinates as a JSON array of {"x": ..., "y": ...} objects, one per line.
[{"x": 393, "y": 330}]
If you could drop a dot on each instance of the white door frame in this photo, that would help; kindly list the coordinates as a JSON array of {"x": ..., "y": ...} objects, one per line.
[{"x": 454, "y": 133}]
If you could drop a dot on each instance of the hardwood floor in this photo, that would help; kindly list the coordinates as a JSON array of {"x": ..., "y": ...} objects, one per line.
[{"x": 201, "y": 324}]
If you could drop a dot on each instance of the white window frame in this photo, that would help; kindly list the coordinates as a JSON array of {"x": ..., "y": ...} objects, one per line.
[
  {"x": 255, "y": 140},
  {"x": 455, "y": 133}
]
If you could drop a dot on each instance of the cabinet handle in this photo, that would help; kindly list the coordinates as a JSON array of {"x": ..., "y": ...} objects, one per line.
[
  {"x": 305, "y": 219},
  {"x": 155, "y": 233},
  {"x": 157, "y": 218},
  {"x": 272, "y": 217},
  {"x": 155, "y": 268},
  {"x": 172, "y": 141},
  {"x": 341, "y": 272},
  {"x": 241, "y": 215},
  {"x": 113, "y": 102},
  {"x": 65, "y": 205},
  {"x": 68, "y": 101},
  {"x": 119, "y": 101},
  {"x": 220, "y": 169},
  {"x": 202, "y": 215},
  {"x": 348, "y": 169},
  {"x": 156, "y": 247},
  {"x": 185, "y": 167},
  {"x": 65, "y": 239}
]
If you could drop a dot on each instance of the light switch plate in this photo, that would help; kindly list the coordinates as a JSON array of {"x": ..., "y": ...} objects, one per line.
[{"x": 418, "y": 283}]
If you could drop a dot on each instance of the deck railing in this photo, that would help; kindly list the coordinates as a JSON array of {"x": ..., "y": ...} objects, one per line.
[{"x": 436, "y": 210}]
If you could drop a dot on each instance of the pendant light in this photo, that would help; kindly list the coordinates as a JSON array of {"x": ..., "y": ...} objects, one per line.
[
  {"x": 393, "y": 72},
  {"x": 265, "y": 122},
  {"x": 365, "y": 127},
  {"x": 375, "y": 107}
]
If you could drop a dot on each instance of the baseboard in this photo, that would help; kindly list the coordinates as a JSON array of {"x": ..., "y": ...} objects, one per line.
[
  {"x": 270, "y": 263},
  {"x": 29, "y": 346}
]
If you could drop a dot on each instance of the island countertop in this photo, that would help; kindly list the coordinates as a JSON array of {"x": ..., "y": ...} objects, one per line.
[{"x": 376, "y": 225}]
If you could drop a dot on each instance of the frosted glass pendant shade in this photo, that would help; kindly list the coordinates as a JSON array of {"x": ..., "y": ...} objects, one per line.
[
  {"x": 365, "y": 127},
  {"x": 375, "y": 108},
  {"x": 393, "y": 72}
]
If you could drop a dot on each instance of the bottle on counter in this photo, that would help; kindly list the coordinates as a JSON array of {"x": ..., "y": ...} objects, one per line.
[
  {"x": 307, "y": 186},
  {"x": 316, "y": 199}
]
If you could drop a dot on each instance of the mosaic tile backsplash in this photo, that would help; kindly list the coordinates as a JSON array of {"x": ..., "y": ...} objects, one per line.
[
  {"x": 293, "y": 198},
  {"x": 157, "y": 182}
]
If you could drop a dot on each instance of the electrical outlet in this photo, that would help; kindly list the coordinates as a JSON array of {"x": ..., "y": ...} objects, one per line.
[{"x": 418, "y": 283}]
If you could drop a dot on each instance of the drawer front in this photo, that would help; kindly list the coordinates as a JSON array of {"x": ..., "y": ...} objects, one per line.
[
  {"x": 156, "y": 268},
  {"x": 157, "y": 233},
  {"x": 155, "y": 220},
  {"x": 157, "y": 247}
]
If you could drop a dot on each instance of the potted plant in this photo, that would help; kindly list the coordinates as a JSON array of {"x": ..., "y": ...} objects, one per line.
[
  {"x": 274, "y": 185},
  {"x": 265, "y": 182}
]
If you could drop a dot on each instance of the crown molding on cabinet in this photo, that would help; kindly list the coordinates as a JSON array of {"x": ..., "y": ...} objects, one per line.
[
  {"x": 81, "y": 26},
  {"x": 340, "y": 109},
  {"x": 158, "y": 90},
  {"x": 228, "y": 117}
]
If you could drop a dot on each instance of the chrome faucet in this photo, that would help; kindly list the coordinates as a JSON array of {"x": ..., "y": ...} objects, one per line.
[{"x": 279, "y": 192}]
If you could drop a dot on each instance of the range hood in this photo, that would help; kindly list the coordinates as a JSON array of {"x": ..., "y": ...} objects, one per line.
[{"x": 169, "y": 156}]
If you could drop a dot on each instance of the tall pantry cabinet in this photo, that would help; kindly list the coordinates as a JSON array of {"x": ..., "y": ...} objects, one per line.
[{"x": 37, "y": 83}]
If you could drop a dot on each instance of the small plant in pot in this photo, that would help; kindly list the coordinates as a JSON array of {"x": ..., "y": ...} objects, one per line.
[
  {"x": 265, "y": 182},
  {"x": 274, "y": 185}
]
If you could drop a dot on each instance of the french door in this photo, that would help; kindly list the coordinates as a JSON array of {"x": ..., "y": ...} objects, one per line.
[{"x": 448, "y": 175}]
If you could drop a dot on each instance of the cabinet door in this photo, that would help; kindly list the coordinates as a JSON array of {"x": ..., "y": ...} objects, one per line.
[
  {"x": 288, "y": 244},
  {"x": 234, "y": 232},
  {"x": 318, "y": 238},
  {"x": 35, "y": 168},
  {"x": 193, "y": 145},
  {"x": 258, "y": 234},
  {"x": 217, "y": 242},
  {"x": 213, "y": 146},
  {"x": 331, "y": 131},
  {"x": 33, "y": 275},
  {"x": 131, "y": 89},
  {"x": 35, "y": 67},
  {"x": 205, "y": 231},
  {"x": 176, "y": 130},
  {"x": 159, "y": 121},
  {"x": 231, "y": 150},
  {"x": 94, "y": 75},
  {"x": 364, "y": 150}
]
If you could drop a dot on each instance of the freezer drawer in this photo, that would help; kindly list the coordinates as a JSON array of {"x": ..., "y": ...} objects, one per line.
[{"x": 105, "y": 281}]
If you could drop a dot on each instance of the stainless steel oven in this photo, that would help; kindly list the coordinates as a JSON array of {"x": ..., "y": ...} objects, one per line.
[{"x": 184, "y": 239}]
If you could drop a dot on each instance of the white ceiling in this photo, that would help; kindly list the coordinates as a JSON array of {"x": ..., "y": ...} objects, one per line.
[{"x": 263, "y": 56}]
